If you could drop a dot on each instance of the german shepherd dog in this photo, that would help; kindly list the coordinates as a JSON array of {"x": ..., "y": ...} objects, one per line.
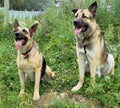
[
  {"x": 90, "y": 46},
  {"x": 30, "y": 60}
]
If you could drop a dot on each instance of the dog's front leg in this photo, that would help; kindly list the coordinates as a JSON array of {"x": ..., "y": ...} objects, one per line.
[
  {"x": 81, "y": 64},
  {"x": 22, "y": 81},
  {"x": 37, "y": 82},
  {"x": 93, "y": 66}
]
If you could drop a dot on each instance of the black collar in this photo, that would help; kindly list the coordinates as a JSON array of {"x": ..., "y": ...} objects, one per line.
[{"x": 26, "y": 55}]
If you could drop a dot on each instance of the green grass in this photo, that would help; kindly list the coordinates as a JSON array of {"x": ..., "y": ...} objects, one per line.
[{"x": 57, "y": 43}]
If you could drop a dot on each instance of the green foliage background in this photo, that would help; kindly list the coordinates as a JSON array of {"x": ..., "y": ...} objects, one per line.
[
  {"x": 35, "y": 5},
  {"x": 56, "y": 40},
  {"x": 29, "y": 5}
]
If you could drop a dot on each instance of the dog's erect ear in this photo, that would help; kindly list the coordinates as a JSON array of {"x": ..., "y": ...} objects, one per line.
[
  {"x": 33, "y": 28},
  {"x": 74, "y": 10},
  {"x": 93, "y": 8},
  {"x": 16, "y": 24}
]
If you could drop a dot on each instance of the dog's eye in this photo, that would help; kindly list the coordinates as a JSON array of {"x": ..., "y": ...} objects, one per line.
[
  {"x": 83, "y": 16},
  {"x": 24, "y": 31},
  {"x": 76, "y": 15}
]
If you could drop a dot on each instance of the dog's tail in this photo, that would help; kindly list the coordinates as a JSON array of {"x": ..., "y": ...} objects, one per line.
[{"x": 43, "y": 69}]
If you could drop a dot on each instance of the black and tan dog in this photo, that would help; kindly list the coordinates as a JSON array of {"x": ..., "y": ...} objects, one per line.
[
  {"x": 90, "y": 46},
  {"x": 30, "y": 60}
]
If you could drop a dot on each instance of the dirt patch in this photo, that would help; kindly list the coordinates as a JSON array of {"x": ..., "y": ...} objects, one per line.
[{"x": 52, "y": 96}]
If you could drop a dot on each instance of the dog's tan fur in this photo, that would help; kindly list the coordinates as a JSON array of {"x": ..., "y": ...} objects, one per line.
[
  {"x": 30, "y": 65},
  {"x": 90, "y": 46}
]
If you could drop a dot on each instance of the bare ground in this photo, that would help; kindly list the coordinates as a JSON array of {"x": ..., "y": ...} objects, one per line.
[{"x": 52, "y": 96}]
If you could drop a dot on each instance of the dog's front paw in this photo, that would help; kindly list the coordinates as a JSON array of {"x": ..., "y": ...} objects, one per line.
[
  {"x": 36, "y": 97},
  {"x": 52, "y": 76},
  {"x": 77, "y": 87},
  {"x": 21, "y": 92},
  {"x": 107, "y": 78}
]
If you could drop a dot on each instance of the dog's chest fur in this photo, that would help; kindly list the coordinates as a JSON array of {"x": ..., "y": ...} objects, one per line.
[
  {"x": 84, "y": 40},
  {"x": 92, "y": 47},
  {"x": 84, "y": 45},
  {"x": 86, "y": 52},
  {"x": 29, "y": 64}
]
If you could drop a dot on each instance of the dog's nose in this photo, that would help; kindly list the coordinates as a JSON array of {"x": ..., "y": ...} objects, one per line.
[
  {"x": 75, "y": 22},
  {"x": 17, "y": 33}
]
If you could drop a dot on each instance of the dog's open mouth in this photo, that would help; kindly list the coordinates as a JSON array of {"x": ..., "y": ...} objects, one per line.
[
  {"x": 19, "y": 43},
  {"x": 20, "y": 40},
  {"x": 79, "y": 30}
]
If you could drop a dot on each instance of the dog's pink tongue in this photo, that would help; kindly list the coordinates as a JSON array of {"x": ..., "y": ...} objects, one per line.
[
  {"x": 78, "y": 31},
  {"x": 18, "y": 44}
]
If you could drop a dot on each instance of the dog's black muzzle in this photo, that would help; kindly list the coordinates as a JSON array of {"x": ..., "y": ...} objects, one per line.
[
  {"x": 80, "y": 24},
  {"x": 77, "y": 24},
  {"x": 20, "y": 36}
]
